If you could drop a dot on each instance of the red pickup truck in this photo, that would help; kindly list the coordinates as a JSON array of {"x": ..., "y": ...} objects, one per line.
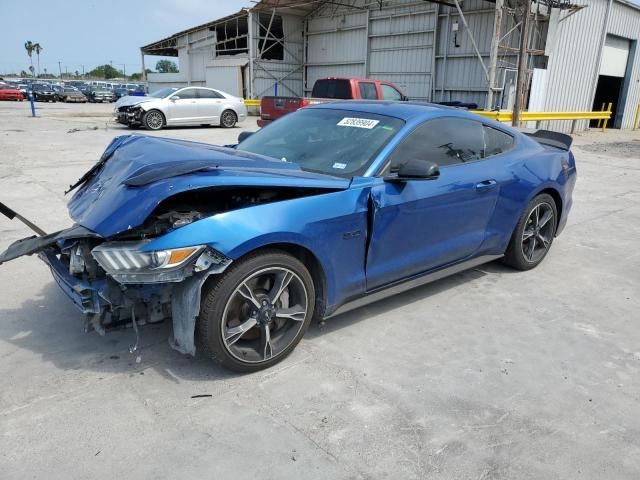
[{"x": 326, "y": 89}]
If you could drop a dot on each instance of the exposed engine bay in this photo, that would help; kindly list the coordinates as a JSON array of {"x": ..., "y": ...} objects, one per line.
[{"x": 124, "y": 298}]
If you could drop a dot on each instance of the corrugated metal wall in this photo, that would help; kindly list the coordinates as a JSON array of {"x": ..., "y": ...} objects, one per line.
[
  {"x": 403, "y": 42},
  {"x": 401, "y": 46},
  {"x": 336, "y": 44},
  {"x": 625, "y": 22},
  {"x": 573, "y": 47},
  {"x": 459, "y": 74}
]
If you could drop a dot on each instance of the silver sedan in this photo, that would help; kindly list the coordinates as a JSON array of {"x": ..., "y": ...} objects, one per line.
[{"x": 181, "y": 106}]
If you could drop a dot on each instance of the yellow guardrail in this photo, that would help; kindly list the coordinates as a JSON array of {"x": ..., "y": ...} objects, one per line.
[
  {"x": 637, "y": 117},
  {"x": 602, "y": 116}
]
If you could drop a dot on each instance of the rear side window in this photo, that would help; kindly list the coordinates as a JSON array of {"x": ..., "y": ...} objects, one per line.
[
  {"x": 368, "y": 91},
  {"x": 445, "y": 141},
  {"x": 204, "y": 93},
  {"x": 496, "y": 142},
  {"x": 332, "y": 88},
  {"x": 187, "y": 93},
  {"x": 390, "y": 93}
]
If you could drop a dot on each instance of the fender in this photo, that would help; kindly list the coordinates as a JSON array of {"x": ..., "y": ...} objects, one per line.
[{"x": 324, "y": 224}]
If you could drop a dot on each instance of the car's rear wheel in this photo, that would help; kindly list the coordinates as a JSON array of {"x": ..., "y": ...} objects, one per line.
[
  {"x": 255, "y": 314},
  {"x": 153, "y": 120},
  {"x": 534, "y": 234},
  {"x": 228, "y": 119}
]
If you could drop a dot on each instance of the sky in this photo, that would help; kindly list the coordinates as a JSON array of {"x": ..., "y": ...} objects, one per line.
[{"x": 92, "y": 33}]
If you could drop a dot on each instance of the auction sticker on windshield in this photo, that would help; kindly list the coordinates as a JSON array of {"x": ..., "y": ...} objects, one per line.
[{"x": 358, "y": 122}]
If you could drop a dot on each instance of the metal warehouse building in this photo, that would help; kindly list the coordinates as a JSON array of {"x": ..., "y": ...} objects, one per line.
[{"x": 581, "y": 54}]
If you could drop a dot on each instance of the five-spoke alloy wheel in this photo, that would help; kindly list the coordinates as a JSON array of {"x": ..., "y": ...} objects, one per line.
[
  {"x": 257, "y": 312},
  {"x": 534, "y": 233}
]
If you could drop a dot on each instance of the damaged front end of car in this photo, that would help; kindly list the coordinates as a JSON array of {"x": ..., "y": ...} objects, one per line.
[
  {"x": 130, "y": 115},
  {"x": 121, "y": 263},
  {"x": 118, "y": 282}
]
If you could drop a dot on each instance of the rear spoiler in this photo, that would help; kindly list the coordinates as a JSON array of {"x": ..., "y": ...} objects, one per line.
[{"x": 553, "y": 139}]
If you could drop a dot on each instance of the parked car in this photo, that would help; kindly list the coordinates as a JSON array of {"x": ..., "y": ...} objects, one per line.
[
  {"x": 120, "y": 92},
  {"x": 100, "y": 94},
  {"x": 42, "y": 92},
  {"x": 23, "y": 87},
  {"x": 327, "y": 89},
  {"x": 181, "y": 106},
  {"x": 9, "y": 92},
  {"x": 71, "y": 94},
  {"x": 330, "y": 207}
]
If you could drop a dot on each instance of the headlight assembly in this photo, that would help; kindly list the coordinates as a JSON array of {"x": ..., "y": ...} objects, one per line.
[{"x": 127, "y": 263}]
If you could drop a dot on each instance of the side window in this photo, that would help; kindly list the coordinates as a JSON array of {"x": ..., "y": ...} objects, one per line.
[
  {"x": 368, "y": 91},
  {"x": 390, "y": 93},
  {"x": 204, "y": 93},
  {"x": 445, "y": 141},
  {"x": 186, "y": 93},
  {"x": 496, "y": 142}
]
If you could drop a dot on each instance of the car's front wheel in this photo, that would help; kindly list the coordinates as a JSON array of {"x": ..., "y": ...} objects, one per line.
[
  {"x": 228, "y": 119},
  {"x": 153, "y": 120},
  {"x": 534, "y": 234},
  {"x": 255, "y": 314}
]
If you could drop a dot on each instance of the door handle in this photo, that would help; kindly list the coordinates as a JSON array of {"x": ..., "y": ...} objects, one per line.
[{"x": 486, "y": 185}]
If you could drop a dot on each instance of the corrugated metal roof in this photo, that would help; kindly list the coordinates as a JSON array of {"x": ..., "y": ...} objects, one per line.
[{"x": 167, "y": 45}]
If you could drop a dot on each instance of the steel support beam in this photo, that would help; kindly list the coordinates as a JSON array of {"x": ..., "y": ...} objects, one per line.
[
  {"x": 493, "y": 58},
  {"x": 521, "y": 80}
]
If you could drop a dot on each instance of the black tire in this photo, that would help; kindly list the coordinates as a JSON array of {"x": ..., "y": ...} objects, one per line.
[
  {"x": 153, "y": 120},
  {"x": 221, "y": 298},
  {"x": 533, "y": 235},
  {"x": 228, "y": 119}
]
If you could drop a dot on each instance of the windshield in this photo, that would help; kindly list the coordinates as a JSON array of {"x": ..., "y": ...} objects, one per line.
[
  {"x": 164, "y": 92},
  {"x": 341, "y": 143}
]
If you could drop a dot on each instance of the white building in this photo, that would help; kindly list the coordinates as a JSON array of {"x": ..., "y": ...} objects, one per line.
[{"x": 582, "y": 54}]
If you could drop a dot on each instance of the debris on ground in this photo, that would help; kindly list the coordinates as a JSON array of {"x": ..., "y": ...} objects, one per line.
[{"x": 74, "y": 130}]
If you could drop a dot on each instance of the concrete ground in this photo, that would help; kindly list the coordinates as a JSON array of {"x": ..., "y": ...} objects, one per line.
[{"x": 489, "y": 374}]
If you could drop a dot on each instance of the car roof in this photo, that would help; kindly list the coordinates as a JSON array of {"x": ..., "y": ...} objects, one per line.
[
  {"x": 408, "y": 111},
  {"x": 403, "y": 110}
]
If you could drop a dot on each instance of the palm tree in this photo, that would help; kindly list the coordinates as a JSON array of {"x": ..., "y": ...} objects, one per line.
[
  {"x": 37, "y": 48},
  {"x": 29, "y": 48}
]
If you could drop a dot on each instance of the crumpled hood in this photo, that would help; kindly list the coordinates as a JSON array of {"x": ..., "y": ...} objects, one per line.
[
  {"x": 129, "y": 100},
  {"x": 137, "y": 172}
]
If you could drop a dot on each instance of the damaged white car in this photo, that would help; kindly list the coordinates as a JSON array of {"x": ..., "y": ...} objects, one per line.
[{"x": 173, "y": 106}]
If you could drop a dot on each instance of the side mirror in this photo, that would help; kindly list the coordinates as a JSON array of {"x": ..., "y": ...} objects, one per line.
[
  {"x": 404, "y": 98},
  {"x": 244, "y": 135},
  {"x": 174, "y": 98},
  {"x": 415, "y": 170}
]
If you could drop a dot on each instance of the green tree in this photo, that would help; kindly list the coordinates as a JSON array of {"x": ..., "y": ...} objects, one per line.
[
  {"x": 105, "y": 71},
  {"x": 38, "y": 48},
  {"x": 166, "y": 66},
  {"x": 138, "y": 76},
  {"x": 30, "y": 47}
]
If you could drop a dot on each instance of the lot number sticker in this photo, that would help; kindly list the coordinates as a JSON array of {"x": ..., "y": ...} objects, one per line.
[{"x": 358, "y": 122}]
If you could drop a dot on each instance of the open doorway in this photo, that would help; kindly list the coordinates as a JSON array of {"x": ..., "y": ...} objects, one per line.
[
  {"x": 615, "y": 75},
  {"x": 607, "y": 91}
]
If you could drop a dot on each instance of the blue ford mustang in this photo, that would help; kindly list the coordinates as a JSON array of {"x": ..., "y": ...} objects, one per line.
[{"x": 325, "y": 209}]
